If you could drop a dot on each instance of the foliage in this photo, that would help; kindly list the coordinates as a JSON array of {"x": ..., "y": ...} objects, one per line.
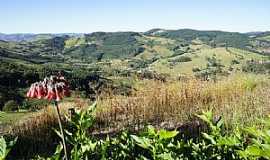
[
  {"x": 167, "y": 145},
  {"x": 256, "y": 67},
  {"x": 214, "y": 38},
  {"x": 16, "y": 78},
  {"x": 25, "y": 62},
  {"x": 10, "y": 106},
  {"x": 213, "y": 68},
  {"x": 34, "y": 105},
  {"x": 258, "y": 141},
  {"x": 80, "y": 143},
  {"x": 5, "y": 147},
  {"x": 181, "y": 59}
]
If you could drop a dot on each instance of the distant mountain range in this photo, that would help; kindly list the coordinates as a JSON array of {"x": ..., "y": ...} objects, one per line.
[
  {"x": 97, "y": 46},
  {"x": 18, "y": 37}
]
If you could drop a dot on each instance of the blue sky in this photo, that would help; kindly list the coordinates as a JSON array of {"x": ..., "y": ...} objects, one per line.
[{"x": 85, "y": 16}]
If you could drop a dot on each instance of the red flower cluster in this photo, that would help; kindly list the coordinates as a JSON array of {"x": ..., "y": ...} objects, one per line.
[{"x": 53, "y": 88}]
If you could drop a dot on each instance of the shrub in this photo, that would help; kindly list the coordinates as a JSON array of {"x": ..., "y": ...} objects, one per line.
[
  {"x": 178, "y": 52},
  {"x": 214, "y": 68},
  {"x": 234, "y": 61},
  {"x": 257, "y": 67},
  {"x": 10, "y": 106},
  {"x": 196, "y": 69},
  {"x": 183, "y": 59},
  {"x": 33, "y": 104}
]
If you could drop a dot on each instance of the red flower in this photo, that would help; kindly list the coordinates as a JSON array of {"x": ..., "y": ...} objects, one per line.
[
  {"x": 40, "y": 91},
  {"x": 33, "y": 91},
  {"x": 51, "y": 89},
  {"x": 51, "y": 93},
  {"x": 58, "y": 97},
  {"x": 29, "y": 91}
]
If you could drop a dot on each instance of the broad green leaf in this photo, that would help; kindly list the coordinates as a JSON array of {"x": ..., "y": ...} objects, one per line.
[
  {"x": 266, "y": 150},
  {"x": 253, "y": 131},
  {"x": 253, "y": 150},
  {"x": 57, "y": 153},
  {"x": 165, "y": 156},
  {"x": 142, "y": 142},
  {"x": 209, "y": 137},
  {"x": 85, "y": 148},
  {"x": 92, "y": 145},
  {"x": 163, "y": 134},
  {"x": 242, "y": 154},
  {"x": 3, "y": 148},
  {"x": 228, "y": 141},
  {"x": 206, "y": 117},
  {"x": 220, "y": 123},
  {"x": 151, "y": 130}
]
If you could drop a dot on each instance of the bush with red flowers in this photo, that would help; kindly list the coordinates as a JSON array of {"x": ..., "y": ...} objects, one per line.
[{"x": 53, "y": 88}]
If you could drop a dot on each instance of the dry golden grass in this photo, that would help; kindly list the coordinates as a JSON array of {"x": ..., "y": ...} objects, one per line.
[
  {"x": 239, "y": 99},
  {"x": 45, "y": 118},
  {"x": 36, "y": 135}
]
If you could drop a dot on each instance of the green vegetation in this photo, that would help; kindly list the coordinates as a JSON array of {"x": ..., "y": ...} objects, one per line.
[
  {"x": 212, "y": 143},
  {"x": 151, "y": 91},
  {"x": 9, "y": 118},
  {"x": 213, "y": 38},
  {"x": 44, "y": 48},
  {"x": 10, "y": 106},
  {"x": 199, "y": 60},
  {"x": 213, "y": 68},
  {"x": 181, "y": 59},
  {"x": 266, "y": 38},
  {"x": 5, "y": 147},
  {"x": 239, "y": 99}
]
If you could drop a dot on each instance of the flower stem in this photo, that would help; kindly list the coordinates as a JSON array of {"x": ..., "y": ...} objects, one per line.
[{"x": 61, "y": 129}]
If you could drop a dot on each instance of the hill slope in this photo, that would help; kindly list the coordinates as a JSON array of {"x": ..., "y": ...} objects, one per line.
[{"x": 165, "y": 51}]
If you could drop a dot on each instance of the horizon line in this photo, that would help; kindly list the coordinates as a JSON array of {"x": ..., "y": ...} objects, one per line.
[{"x": 36, "y": 33}]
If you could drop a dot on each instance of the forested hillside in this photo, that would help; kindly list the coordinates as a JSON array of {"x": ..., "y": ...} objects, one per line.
[
  {"x": 154, "y": 54},
  {"x": 101, "y": 45}
]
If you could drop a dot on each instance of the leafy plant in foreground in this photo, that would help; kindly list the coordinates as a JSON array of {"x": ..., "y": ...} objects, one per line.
[
  {"x": 258, "y": 142},
  {"x": 5, "y": 147},
  {"x": 80, "y": 143},
  {"x": 158, "y": 143},
  {"x": 154, "y": 144},
  {"x": 215, "y": 144}
]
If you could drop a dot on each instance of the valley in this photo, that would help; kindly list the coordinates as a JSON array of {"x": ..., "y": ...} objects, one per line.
[{"x": 134, "y": 88}]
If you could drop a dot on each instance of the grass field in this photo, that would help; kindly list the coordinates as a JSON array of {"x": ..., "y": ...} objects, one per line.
[
  {"x": 240, "y": 99},
  {"x": 234, "y": 97},
  {"x": 199, "y": 60},
  {"x": 266, "y": 38},
  {"x": 10, "y": 118}
]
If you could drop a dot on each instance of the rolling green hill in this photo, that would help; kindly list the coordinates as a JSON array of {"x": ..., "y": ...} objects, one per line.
[
  {"x": 213, "y": 38},
  {"x": 165, "y": 51}
]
